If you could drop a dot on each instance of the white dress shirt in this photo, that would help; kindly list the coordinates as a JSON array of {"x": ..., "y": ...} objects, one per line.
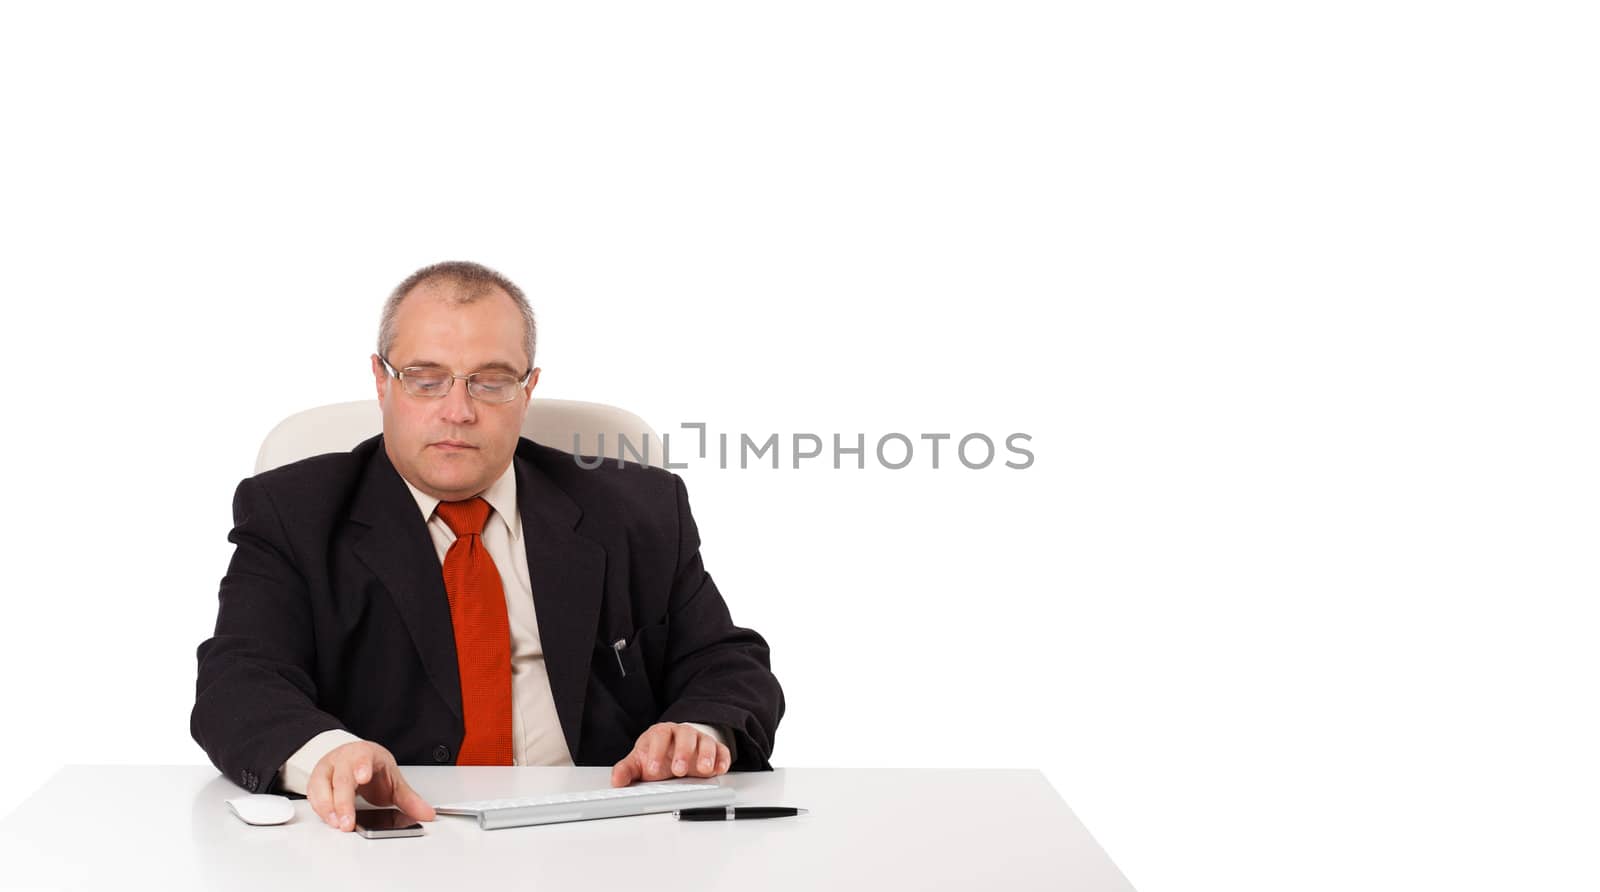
[{"x": 536, "y": 735}]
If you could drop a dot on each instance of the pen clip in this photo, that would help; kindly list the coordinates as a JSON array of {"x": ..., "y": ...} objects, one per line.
[{"x": 616, "y": 648}]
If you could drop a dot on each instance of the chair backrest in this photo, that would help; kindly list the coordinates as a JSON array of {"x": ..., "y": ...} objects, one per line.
[{"x": 599, "y": 430}]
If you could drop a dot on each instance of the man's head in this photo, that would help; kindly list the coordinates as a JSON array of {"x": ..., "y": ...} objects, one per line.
[{"x": 453, "y": 318}]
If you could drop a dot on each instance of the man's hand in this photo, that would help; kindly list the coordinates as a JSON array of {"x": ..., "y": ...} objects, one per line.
[
  {"x": 669, "y": 749},
  {"x": 366, "y": 768}
]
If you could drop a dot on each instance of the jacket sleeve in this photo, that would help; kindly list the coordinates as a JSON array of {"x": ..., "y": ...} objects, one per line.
[
  {"x": 255, "y": 701},
  {"x": 717, "y": 673}
]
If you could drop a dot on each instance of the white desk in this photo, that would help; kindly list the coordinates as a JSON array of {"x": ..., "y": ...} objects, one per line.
[{"x": 106, "y": 827}]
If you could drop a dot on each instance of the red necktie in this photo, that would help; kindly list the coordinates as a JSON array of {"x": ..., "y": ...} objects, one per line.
[{"x": 483, "y": 636}]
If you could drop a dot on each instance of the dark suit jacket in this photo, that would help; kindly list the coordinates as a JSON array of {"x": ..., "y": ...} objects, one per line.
[{"x": 333, "y": 615}]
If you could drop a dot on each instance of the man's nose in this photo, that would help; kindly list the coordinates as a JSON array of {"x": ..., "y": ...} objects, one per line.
[{"x": 459, "y": 406}]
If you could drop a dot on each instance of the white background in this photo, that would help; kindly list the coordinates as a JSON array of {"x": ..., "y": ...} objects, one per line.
[{"x": 1296, "y": 301}]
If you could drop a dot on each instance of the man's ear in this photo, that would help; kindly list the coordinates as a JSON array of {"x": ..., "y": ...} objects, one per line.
[
  {"x": 380, "y": 377},
  {"x": 533, "y": 378}
]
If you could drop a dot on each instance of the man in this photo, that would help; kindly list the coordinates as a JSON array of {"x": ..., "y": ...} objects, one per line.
[{"x": 450, "y": 593}]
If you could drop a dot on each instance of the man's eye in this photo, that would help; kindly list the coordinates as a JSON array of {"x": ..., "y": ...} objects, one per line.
[{"x": 427, "y": 383}]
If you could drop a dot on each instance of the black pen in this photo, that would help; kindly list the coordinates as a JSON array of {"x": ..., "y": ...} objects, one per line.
[{"x": 729, "y": 813}]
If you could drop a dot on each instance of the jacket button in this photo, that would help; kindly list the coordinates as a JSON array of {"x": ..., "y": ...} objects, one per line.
[{"x": 441, "y": 754}]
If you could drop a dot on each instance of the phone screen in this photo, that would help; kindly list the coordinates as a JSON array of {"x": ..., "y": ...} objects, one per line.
[{"x": 382, "y": 819}]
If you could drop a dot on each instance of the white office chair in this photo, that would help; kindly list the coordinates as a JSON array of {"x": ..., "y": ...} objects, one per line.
[{"x": 599, "y": 430}]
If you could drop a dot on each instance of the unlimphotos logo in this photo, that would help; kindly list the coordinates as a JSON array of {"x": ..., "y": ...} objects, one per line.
[{"x": 894, "y": 451}]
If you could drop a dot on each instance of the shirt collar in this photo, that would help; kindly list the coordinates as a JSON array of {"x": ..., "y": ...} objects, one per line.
[{"x": 501, "y": 496}]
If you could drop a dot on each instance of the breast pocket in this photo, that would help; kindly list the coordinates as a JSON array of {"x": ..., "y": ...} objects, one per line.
[{"x": 632, "y": 666}]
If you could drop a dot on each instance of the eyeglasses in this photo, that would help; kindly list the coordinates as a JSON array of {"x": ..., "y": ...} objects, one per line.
[{"x": 490, "y": 387}]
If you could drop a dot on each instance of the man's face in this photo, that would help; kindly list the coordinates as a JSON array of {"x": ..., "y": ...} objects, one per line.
[{"x": 453, "y": 447}]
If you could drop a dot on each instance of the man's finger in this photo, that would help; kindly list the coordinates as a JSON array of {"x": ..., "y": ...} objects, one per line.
[
  {"x": 709, "y": 757},
  {"x": 408, "y": 800},
  {"x": 707, "y": 754},
  {"x": 656, "y": 751},
  {"x": 685, "y": 741},
  {"x": 627, "y": 771},
  {"x": 724, "y": 759},
  {"x": 344, "y": 796},
  {"x": 320, "y": 793}
]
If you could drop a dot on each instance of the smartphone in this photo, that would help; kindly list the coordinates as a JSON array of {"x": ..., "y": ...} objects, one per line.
[{"x": 385, "y": 823}]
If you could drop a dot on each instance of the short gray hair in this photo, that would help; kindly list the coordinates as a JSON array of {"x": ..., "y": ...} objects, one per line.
[{"x": 474, "y": 281}]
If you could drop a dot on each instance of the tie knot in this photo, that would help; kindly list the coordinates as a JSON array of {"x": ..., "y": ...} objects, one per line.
[{"x": 464, "y": 518}]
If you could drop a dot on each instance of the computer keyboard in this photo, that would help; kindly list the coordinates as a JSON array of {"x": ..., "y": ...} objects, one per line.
[{"x": 587, "y": 805}]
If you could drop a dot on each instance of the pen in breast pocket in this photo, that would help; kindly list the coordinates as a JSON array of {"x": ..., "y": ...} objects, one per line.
[{"x": 617, "y": 649}]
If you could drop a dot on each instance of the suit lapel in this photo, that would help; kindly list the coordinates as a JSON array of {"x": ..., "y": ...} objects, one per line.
[
  {"x": 397, "y": 549},
  {"x": 567, "y": 571}
]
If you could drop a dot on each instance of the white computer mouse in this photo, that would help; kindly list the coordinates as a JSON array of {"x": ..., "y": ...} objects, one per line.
[{"x": 262, "y": 808}]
